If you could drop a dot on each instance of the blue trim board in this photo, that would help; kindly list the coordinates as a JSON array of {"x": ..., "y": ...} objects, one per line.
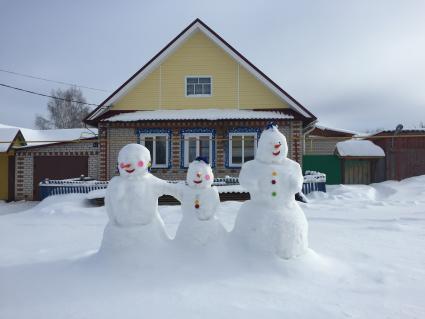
[
  {"x": 238, "y": 130},
  {"x": 140, "y": 131},
  {"x": 197, "y": 130}
]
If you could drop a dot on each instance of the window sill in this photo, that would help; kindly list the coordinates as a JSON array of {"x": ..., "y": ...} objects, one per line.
[{"x": 198, "y": 95}]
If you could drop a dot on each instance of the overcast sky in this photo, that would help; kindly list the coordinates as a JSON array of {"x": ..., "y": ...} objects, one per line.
[{"x": 355, "y": 64}]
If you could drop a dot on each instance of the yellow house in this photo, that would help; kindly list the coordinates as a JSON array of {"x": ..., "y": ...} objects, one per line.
[
  {"x": 197, "y": 97},
  {"x": 10, "y": 137}
]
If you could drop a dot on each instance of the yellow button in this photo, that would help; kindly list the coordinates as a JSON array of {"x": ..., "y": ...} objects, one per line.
[{"x": 274, "y": 173}]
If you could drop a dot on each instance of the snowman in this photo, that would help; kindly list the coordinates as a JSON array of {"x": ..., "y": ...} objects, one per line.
[
  {"x": 131, "y": 202},
  {"x": 199, "y": 203},
  {"x": 272, "y": 220}
]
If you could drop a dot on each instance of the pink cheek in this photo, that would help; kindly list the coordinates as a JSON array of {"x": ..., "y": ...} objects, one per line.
[
  {"x": 207, "y": 177},
  {"x": 122, "y": 165},
  {"x": 140, "y": 163}
]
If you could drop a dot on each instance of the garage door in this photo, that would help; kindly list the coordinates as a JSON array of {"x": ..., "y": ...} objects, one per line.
[{"x": 58, "y": 167}]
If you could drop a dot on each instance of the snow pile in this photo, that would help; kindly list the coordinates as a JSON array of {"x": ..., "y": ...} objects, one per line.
[
  {"x": 314, "y": 177},
  {"x": 359, "y": 148},
  {"x": 366, "y": 262},
  {"x": 198, "y": 114}
]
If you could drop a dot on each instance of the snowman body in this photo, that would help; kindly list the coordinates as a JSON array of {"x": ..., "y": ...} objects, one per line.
[
  {"x": 199, "y": 202},
  {"x": 272, "y": 221},
  {"x": 131, "y": 202}
]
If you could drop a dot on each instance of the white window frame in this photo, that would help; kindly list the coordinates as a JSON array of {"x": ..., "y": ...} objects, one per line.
[
  {"x": 198, "y": 95},
  {"x": 254, "y": 134},
  {"x": 186, "y": 137},
  {"x": 153, "y": 156}
]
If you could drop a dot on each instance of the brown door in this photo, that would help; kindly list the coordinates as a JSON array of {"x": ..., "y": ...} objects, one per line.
[
  {"x": 11, "y": 180},
  {"x": 58, "y": 167}
]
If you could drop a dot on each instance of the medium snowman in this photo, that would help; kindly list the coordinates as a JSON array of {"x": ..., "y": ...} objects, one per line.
[
  {"x": 199, "y": 203},
  {"x": 272, "y": 220},
  {"x": 131, "y": 202}
]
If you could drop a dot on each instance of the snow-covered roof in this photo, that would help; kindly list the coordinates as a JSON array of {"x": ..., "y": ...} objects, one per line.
[
  {"x": 43, "y": 137},
  {"x": 7, "y": 135},
  {"x": 321, "y": 126},
  {"x": 359, "y": 148},
  {"x": 198, "y": 114},
  {"x": 409, "y": 129}
]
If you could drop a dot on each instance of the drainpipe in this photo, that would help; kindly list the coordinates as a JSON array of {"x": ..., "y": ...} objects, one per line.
[
  {"x": 397, "y": 131},
  {"x": 309, "y": 128}
]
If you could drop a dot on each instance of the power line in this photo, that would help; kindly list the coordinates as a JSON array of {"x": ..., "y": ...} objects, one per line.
[
  {"x": 46, "y": 95},
  {"x": 48, "y": 80}
]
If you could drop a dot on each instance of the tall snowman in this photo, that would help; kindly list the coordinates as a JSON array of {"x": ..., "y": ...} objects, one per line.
[
  {"x": 131, "y": 202},
  {"x": 199, "y": 203},
  {"x": 272, "y": 221}
]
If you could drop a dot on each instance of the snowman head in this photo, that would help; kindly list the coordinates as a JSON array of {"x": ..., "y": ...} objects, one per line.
[
  {"x": 134, "y": 160},
  {"x": 199, "y": 174},
  {"x": 272, "y": 146}
]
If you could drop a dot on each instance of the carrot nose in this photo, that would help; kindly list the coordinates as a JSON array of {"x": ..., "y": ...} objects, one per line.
[
  {"x": 276, "y": 145},
  {"x": 125, "y": 165}
]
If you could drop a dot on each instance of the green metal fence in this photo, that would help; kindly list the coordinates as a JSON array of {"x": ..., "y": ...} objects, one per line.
[{"x": 328, "y": 164}]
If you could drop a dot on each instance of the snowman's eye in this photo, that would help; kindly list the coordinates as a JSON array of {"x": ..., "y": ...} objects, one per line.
[
  {"x": 207, "y": 177},
  {"x": 140, "y": 163}
]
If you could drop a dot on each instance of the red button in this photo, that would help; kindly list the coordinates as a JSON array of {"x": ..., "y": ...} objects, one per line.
[
  {"x": 196, "y": 206},
  {"x": 273, "y": 181}
]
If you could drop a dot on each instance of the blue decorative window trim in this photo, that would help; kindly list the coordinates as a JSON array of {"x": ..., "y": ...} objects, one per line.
[
  {"x": 183, "y": 132},
  {"x": 227, "y": 146},
  {"x": 152, "y": 131}
]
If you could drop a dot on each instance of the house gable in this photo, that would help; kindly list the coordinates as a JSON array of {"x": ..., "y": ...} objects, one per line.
[
  {"x": 232, "y": 85},
  {"x": 198, "y": 50}
]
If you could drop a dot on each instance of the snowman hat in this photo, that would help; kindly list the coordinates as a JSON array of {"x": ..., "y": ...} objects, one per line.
[
  {"x": 202, "y": 159},
  {"x": 271, "y": 126}
]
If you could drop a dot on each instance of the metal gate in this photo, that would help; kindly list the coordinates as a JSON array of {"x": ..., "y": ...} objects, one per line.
[{"x": 57, "y": 167}]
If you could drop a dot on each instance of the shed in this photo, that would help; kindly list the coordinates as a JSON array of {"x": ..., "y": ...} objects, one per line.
[
  {"x": 405, "y": 153},
  {"x": 358, "y": 160},
  {"x": 319, "y": 151}
]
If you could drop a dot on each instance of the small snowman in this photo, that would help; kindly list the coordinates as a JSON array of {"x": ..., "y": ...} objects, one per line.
[
  {"x": 272, "y": 220},
  {"x": 131, "y": 202},
  {"x": 199, "y": 203}
]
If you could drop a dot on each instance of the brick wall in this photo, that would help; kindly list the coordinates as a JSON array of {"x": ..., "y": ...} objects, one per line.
[
  {"x": 24, "y": 171},
  {"x": 117, "y": 135}
]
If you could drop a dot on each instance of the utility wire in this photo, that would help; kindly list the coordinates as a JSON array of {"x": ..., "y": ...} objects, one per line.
[
  {"x": 47, "y": 80},
  {"x": 46, "y": 95}
]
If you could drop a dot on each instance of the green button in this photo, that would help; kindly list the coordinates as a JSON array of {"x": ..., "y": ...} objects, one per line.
[{"x": 274, "y": 194}]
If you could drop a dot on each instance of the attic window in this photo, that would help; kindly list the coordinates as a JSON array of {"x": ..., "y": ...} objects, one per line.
[{"x": 198, "y": 86}]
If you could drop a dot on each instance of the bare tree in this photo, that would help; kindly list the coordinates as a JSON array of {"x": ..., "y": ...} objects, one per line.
[{"x": 66, "y": 110}]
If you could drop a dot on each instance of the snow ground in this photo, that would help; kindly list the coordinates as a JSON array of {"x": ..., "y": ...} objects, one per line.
[{"x": 367, "y": 260}]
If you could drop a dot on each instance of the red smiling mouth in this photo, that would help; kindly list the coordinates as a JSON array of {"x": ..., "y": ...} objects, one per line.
[
  {"x": 130, "y": 170},
  {"x": 197, "y": 182},
  {"x": 276, "y": 153}
]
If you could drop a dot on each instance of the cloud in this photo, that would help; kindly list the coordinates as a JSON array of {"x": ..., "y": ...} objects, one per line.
[{"x": 358, "y": 63}]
